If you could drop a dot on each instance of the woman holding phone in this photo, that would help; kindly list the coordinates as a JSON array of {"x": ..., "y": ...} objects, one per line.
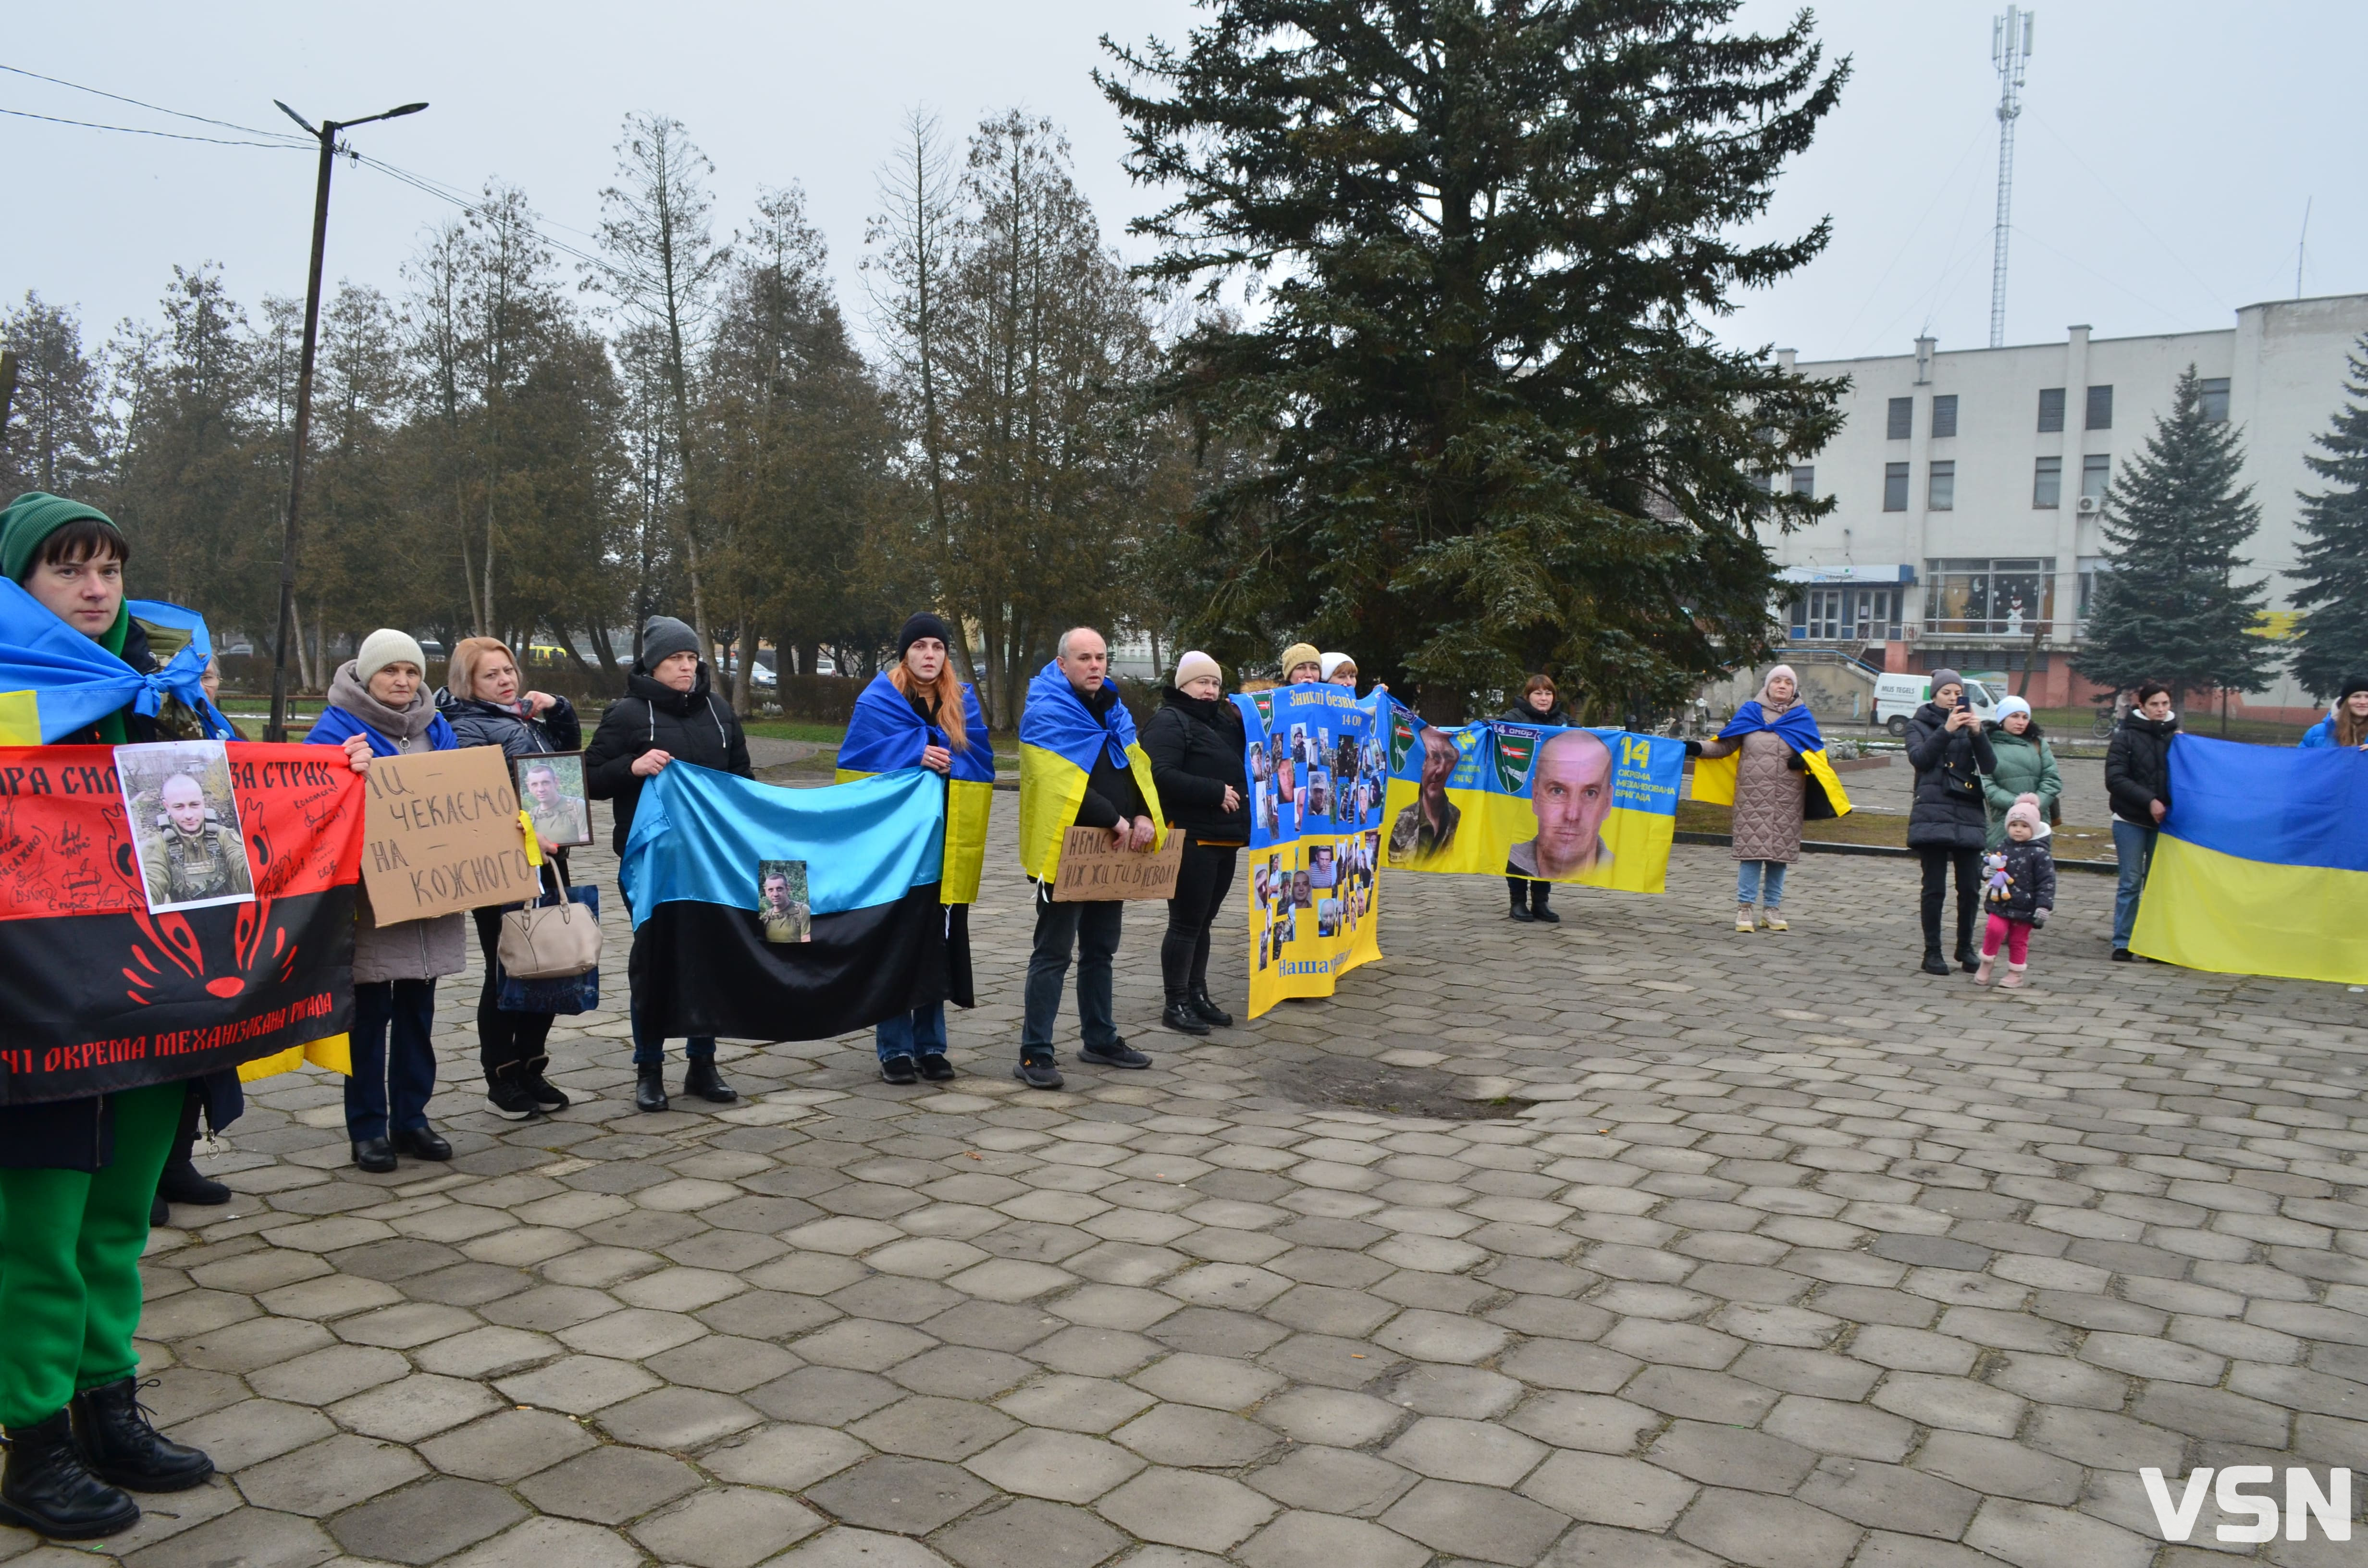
[{"x": 1949, "y": 820}]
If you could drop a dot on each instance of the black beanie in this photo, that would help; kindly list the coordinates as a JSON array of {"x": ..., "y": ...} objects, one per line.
[
  {"x": 923, "y": 624},
  {"x": 2350, "y": 685}
]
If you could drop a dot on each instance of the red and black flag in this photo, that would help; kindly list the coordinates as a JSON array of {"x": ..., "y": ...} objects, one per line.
[{"x": 99, "y": 993}]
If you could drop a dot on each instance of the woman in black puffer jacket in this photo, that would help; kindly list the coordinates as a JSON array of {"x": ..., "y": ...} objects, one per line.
[
  {"x": 2138, "y": 777},
  {"x": 667, "y": 715},
  {"x": 1195, "y": 743},
  {"x": 485, "y": 707},
  {"x": 1948, "y": 820}
]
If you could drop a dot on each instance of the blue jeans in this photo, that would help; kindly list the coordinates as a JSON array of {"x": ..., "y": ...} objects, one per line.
[
  {"x": 1761, "y": 882},
  {"x": 1091, "y": 930},
  {"x": 2133, "y": 848},
  {"x": 921, "y": 1032},
  {"x": 392, "y": 1077}
]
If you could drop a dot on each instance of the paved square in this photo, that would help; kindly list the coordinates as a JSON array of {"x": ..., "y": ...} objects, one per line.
[{"x": 1763, "y": 1250}]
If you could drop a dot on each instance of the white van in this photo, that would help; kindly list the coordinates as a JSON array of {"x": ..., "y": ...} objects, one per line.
[{"x": 1897, "y": 697}]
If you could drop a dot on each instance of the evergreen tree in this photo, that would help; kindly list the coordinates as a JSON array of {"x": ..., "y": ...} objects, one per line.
[
  {"x": 1495, "y": 434},
  {"x": 2334, "y": 555},
  {"x": 51, "y": 441},
  {"x": 2172, "y": 609}
]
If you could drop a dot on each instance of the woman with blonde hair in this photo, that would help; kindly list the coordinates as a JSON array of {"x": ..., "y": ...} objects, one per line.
[
  {"x": 481, "y": 701},
  {"x": 917, "y": 713}
]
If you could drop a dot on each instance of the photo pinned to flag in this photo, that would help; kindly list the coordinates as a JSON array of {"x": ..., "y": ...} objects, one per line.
[
  {"x": 183, "y": 817},
  {"x": 781, "y": 905}
]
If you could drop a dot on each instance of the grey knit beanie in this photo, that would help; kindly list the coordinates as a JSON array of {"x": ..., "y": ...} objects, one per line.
[{"x": 663, "y": 637}]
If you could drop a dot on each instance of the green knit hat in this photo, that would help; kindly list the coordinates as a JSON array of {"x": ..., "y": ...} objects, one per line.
[{"x": 31, "y": 518}]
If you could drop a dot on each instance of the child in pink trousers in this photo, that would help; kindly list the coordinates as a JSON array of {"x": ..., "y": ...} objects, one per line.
[{"x": 2018, "y": 891}]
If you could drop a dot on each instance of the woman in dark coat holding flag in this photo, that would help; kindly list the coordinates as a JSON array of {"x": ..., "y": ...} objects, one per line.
[
  {"x": 77, "y": 1176},
  {"x": 1775, "y": 775},
  {"x": 917, "y": 714}
]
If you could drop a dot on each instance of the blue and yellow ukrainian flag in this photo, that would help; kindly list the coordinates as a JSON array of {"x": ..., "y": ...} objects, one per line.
[
  {"x": 1058, "y": 742},
  {"x": 55, "y": 682},
  {"x": 1797, "y": 728},
  {"x": 2261, "y": 865},
  {"x": 885, "y": 734}
]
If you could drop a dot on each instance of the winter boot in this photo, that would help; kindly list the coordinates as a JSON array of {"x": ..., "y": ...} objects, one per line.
[
  {"x": 649, "y": 1089},
  {"x": 1206, "y": 1011},
  {"x": 119, "y": 1447},
  {"x": 2013, "y": 981},
  {"x": 1982, "y": 975},
  {"x": 704, "y": 1081},
  {"x": 48, "y": 1490},
  {"x": 181, "y": 1182}
]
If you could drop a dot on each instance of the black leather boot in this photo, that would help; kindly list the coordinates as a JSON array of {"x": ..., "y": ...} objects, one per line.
[
  {"x": 1206, "y": 1011},
  {"x": 120, "y": 1447},
  {"x": 1179, "y": 1016},
  {"x": 46, "y": 1488},
  {"x": 649, "y": 1089},
  {"x": 703, "y": 1080},
  {"x": 182, "y": 1182}
]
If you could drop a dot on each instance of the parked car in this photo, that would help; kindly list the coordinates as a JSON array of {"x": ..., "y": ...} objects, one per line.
[{"x": 1897, "y": 696}]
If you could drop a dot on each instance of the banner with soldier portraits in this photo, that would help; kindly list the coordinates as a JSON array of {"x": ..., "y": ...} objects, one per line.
[
  {"x": 1318, "y": 767},
  {"x": 1598, "y": 807}
]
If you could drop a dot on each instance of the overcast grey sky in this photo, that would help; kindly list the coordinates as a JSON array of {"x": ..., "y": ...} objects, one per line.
[{"x": 2163, "y": 163}]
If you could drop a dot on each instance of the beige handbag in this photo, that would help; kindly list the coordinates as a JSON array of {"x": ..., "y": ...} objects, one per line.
[{"x": 550, "y": 941}]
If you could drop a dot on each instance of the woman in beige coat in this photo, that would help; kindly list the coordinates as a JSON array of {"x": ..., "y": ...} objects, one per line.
[{"x": 1769, "y": 801}]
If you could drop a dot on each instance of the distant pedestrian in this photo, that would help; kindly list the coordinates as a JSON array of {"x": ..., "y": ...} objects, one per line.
[
  {"x": 2018, "y": 892},
  {"x": 1779, "y": 778},
  {"x": 2026, "y": 766},
  {"x": 2137, "y": 780},
  {"x": 482, "y": 703},
  {"x": 1195, "y": 743},
  {"x": 1540, "y": 703},
  {"x": 2346, "y": 723},
  {"x": 379, "y": 708},
  {"x": 1947, "y": 821},
  {"x": 667, "y": 714}
]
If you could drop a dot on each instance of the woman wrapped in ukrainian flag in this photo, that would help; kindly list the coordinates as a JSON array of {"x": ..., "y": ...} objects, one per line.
[
  {"x": 916, "y": 714},
  {"x": 1770, "y": 765}
]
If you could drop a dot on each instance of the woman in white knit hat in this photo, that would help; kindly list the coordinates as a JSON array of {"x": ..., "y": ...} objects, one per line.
[
  {"x": 379, "y": 707},
  {"x": 1195, "y": 743}
]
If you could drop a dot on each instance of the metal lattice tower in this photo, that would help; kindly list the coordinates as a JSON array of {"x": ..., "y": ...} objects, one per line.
[{"x": 2010, "y": 48}]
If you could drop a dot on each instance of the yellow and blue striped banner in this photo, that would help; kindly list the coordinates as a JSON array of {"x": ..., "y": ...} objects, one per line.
[{"x": 2261, "y": 865}]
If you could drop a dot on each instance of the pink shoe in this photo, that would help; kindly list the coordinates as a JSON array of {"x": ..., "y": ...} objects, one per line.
[
  {"x": 2013, "y": 979},
  {"x": 1982, "y": 975}
]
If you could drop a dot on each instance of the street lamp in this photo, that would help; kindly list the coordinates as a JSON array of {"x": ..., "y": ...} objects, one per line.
[{"x": 326, "y": 134}]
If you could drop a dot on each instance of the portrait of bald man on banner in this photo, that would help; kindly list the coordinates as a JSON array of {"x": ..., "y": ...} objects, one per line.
[
  {"x": 1570, "y": 792},
  {"x": 184, "y": 820}
]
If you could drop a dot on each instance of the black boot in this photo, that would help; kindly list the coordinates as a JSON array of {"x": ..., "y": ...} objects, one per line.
[
  {"x": 505, "y": 1092},
  {"x": 1180, "y": 1017},
  {"x": 704, "y": 1081},
  {"x": 1539, "y": 892},
  {"x": 546, "y": 1098},
  {"x": 181, "y": 1183},
  {"x": 46, "y": 1488},
  {"x": 649, "y": 1089},
  {"x": 121, "y": 1448},
  {"x": 1934, "y": 963},
  {"x": 1206, "y": 1011},
  {"x": 1521, "y": 900}
]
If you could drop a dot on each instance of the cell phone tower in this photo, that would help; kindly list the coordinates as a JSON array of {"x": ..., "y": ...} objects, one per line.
[{"x": 2010, "y": 48}]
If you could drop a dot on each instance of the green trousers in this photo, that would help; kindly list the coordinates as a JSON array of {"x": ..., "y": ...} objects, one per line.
[{"x": 70, "y": 1245}]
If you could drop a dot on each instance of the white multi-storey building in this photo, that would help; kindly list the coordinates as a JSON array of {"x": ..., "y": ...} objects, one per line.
[{"x": 1967, "y": 484}]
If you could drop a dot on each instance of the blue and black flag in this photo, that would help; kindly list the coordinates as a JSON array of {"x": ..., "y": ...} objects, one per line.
[{"x": 709, "y": 872}]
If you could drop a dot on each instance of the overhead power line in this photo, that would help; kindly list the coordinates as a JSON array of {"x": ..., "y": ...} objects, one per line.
[
  {"x": 277, "y": 138},
  {"x": 289, "y": 146}
]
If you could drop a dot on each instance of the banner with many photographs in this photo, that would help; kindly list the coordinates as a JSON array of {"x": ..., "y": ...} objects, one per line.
[
  {"x": 1598, "y": 807},
  {"x": 1317, "y": 766}
]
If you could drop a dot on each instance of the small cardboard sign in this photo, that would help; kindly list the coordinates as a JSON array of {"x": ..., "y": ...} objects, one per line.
[
  {"x": 1093, "y": 872},
  {"x": 441, "y": 834}
]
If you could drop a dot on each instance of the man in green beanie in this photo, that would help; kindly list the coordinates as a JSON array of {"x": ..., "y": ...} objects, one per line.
[{"x": 77, "y": 1176}]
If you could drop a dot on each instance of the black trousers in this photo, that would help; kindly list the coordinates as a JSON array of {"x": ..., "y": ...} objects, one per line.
[
  {"x": 502, "y": 1037},
  {"x": 1202, "y": 884},
  {"x": 1937, "y": 865},
  {"x": 1536, "y": 893}
]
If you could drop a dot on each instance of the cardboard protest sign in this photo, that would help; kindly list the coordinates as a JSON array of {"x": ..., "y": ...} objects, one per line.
[
  {"x": 1091, "y": 871},
  {"x": 440, "y": 834}
]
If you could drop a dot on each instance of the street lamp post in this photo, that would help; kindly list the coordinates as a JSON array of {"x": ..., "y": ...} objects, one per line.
[{"x": 326, "y": 134}]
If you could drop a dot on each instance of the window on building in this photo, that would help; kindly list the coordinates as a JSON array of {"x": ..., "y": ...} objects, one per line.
[
  {"x": 1895, "y": 487},
  {"x": 1989, "y": 598},
  {"x": 2093, "y": 567},
  {"x": 2095, "y": 476},
  {"x": 2216, "y": 399},
  {"x": 2051, "y": 409},
  {"x": 1942, "y": 496},
  {"x": 2101, "y": 408},
  {"x": 2047, "y": 482},
  {"x": 1763, "y": 483},
  {"x": 1944, "y": 415},
  {"x": 1846, "y": 615},
  {"x": 1902, "y": 419},
  {"x": 1805, "y": 481}
]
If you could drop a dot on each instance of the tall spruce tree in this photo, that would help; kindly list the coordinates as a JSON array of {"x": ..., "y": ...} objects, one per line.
[
  {"x": 2333, "y": 636},
  {"x": 2173, "y": 608},
  {"x": 1495, "y": 434}
]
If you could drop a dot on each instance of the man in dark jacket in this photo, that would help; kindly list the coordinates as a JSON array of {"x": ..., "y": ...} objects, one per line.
[
  {"x": 667, "y": 715},
  {"x": 2137, "y": 778},
  {"x": 1195, "y": 742},
  {"x": 1949, "y": 822}
]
